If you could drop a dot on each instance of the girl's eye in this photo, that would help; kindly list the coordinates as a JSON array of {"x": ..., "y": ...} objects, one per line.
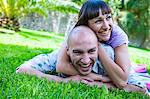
[
  {"x": 98, "y": 21},
  {"x": 109, "y": 17}
]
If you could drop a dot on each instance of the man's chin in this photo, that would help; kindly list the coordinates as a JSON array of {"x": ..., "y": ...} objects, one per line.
[{"x": 85, "y": 73}]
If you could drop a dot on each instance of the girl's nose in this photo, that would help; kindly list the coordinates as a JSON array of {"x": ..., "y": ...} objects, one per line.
[{"x": 105, "y": 24}]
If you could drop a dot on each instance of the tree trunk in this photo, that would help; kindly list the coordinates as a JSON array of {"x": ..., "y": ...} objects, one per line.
[
  {"x": 58, "y": 22},
  {"x": 12, "y": 24},
  {"x": 143, "y": 41}
]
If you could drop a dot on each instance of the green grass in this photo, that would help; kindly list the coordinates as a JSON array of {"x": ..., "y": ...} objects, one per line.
[
  {"x": 140, "y": 56},
  {"x": 19, "y": 47}
]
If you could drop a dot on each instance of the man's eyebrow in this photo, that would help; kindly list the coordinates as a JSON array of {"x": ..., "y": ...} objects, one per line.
[
  {"x": 77, "y": 50},
  {"x": 94, "y": 48}
]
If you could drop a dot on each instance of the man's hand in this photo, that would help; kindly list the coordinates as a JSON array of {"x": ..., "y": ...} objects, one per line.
[
  {"x": 89, "y": 81},
  {"x": 78, "y": 78},
  {"x": 99, "y": 84},
  {"x": 98, "y": 77},
  {"x": 105, "y": 79}
]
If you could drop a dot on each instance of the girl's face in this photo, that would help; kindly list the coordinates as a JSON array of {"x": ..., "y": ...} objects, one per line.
[{"x": 102, "y": 26}]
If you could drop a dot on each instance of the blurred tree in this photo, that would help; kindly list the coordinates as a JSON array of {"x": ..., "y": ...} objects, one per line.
[
  {"x": 116, "y": 6},
  {"x": 12, "y": 10},
  {"x": 136, "y": 21},
  {"x": 58, "y": 9},
  {"x": 65, "y": 6},
  {"x": 79, "y": 2}
]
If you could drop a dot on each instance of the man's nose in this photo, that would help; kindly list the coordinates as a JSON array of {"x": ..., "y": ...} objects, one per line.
[{"x": 85, "y": 59}]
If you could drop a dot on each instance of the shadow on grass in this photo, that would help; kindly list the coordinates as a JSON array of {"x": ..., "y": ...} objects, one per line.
[
  {"x": 37, "y": 36},
  {"x": 6, "y": 31},
  {"x": 139, "y": 48},
  {"x": 27, "y": 35},
  {"x": 34, "y": 34},
  {"x": 9, "y": 50}
]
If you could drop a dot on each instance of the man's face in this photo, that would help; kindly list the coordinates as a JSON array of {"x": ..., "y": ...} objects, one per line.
[{"x": 83, "y": 54}]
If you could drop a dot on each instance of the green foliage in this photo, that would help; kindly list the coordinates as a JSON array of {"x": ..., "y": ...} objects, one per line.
[
  {"x": 29, "y": 43},
  {"x": 18, "y": 8},
  {"x": 79, "y": 2},
  {"x": 12, "y": 10},
  {"x": 139, "y": 12},
  {"x": 115, "y": 6},
  {"x": 136, "y": 20},
  {"x": 63, "y": 6}
]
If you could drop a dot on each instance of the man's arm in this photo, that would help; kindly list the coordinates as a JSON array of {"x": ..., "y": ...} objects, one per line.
[
  {"x": 63, "y": 62},
  {"x": 31, "y": 71},
  {"x": 99, "y": 84}
]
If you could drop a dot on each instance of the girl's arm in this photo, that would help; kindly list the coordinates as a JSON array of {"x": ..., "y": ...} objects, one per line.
[
  {"x": 63, "y": 62},
  {"x": 118, "y": 71}
]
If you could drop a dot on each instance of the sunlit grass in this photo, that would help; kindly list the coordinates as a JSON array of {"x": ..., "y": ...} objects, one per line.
[
  {"x": 32, "y": 38},
  {"x": 139, "y": 56},
  {"x": 21, "y": 46}
]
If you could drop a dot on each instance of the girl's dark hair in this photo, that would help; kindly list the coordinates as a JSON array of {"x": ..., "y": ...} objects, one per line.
[{"x": 90, "y": 9}]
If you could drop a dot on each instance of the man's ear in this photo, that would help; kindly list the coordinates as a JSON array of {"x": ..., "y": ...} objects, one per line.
[
  {"x": 67, "y": 50},
  {"x": 98, "y": 44}
]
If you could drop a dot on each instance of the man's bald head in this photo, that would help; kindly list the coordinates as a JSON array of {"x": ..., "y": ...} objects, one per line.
[{"x": 81, "y": 33}]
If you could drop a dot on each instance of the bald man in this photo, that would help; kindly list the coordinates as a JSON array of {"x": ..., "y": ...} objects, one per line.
[{"x": 83, "y": 55}]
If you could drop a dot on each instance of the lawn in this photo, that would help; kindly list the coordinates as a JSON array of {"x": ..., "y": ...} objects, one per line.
[{"x": 15, "y": 48}]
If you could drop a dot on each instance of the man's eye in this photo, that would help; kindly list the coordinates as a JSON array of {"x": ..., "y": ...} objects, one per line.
[
  {"x": 92, "y": 51},
  {"x": 77, "y": 52}
]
